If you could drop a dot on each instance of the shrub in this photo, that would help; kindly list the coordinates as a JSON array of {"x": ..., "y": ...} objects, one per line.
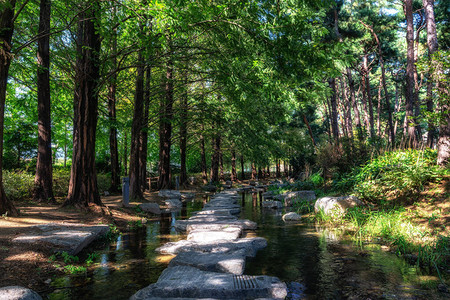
[{"x": 18, "y": 184}]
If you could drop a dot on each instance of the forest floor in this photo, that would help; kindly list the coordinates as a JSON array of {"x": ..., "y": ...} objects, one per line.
[{"x": 29, "y": 265}]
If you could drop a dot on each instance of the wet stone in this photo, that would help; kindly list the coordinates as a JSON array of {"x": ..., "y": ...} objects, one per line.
[
  {"x": 182, "y": 225},
  {"x": 183, "y": 281},
  {"x": 229, "y": 233},
  {"x": 272, "y": 204},
  {"x": 150, "y": 207},
  {"x": 173, "y": 203},
  {"x": 292, "y": 217},
  {"x": 172, "y": 194},
  {"x": 71, "y": 238},
  {"x": 227, "y": 262},
  {"x": 212, "y": 226}
]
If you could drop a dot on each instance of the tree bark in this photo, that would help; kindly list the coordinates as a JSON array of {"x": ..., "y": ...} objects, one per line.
[
  {"x": 43, "y": 181},
  {"x": 144, "y": 132},
  {"x": 334, "y": 113},
  {"x": 432, "y": 44},
  {"x": 6, "y": 32},
  {"x": 183, "y": 131},
  {"x": 409, "y": 95},
  {"x": 113, "y": 146},
  {"x": 253, "y": 171},
  {"x": 136, "y": 130},
  {"x": 233, "y": 165},
  {"x": 165, "y": 128},
  {"x": 242, "y": 168},
  {"x": 83, "y": 189},
  {"x": 351, "y": 85}
]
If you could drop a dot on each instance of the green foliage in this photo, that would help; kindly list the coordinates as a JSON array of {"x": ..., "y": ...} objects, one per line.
[
  {"x": 18, "y": 184},
  {"x": 69, "y": 258},
  {"x": 92, "y": 257},
  {"x": 396, "y": 173},
  {"x": 303, "y": 207},
  {"x": 75, "y": 270}
]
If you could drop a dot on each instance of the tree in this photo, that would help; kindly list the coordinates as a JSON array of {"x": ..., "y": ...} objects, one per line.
[
  {"x": 6, "y": 31},
  {"x": 43, "y": 190},
  {"x": 83, "y": 190}
]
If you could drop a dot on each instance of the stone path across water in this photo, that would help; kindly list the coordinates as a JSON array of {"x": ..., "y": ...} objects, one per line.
[{"x": 211, "y": 262}]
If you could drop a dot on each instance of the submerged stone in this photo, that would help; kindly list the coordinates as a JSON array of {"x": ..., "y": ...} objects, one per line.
[
  {"x": 184, "y": 281},
  {"x": 227, "y": 262}
]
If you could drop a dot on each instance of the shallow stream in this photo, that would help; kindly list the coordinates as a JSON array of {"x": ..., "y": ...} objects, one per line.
[{"x": 316, "y": 263}]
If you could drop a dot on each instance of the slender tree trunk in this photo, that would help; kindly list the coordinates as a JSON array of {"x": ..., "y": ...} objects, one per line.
[
  {"x": 114, "y": 149},
  {"x": 253, "y": 171},
  {"x": 268, "y": 171},
  {"x": 347, "y": 108},
  {"x": 83, "y": 189},
  {"x": 203, "y": 158},
  {"x": 6, "y": 32},
  {"x": 379, "y": 110},
  {"x": 233, "y": 165},
  {"x": 334, "y": 112},
  {"x": 136, "y": 129},
  {"x": 277, "y": 175},
  {"x": 443, "y": 144},
  {"x": 242, "y": 168},
  {"x": 183, "y": 131},
  {"x": 351, "y": 85},
  {"x": 409, "y": 95},
  {"x": 144, "y": 132},
  {"x": 215, "y": 158},
  {"x": 432, "y": 44},
  {"x": 43, "y": 181},
  {"x": 260, "y": 174},
  {"x": 368, "y": 96},
  {"x": 165, "y": 129},
  {"x": 125, "y": 154},
  {"x": 417, "y": 103},
  {"x": 221, "y": 170},
  {"x": 309, "y": 131}
]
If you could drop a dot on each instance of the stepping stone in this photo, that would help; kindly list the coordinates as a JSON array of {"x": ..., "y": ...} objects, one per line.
[
  {"x": 181, "y": 225},
  {"x": 214, "y": 212},
  {"x": 250, "y": 245},
  {"x": 229, "y": 262},
  {"x": 206, "y": 218},
  {"x": 173, "y": 203},
  {"x": 229, "y": 233},
  {"x": 212, "y": 226},
  {"x": 68, "y": 237},
  {"x": 172, "y": 194},
  {"x": 183, "y": 281},
  {"x": 150, "y": 207},
  {"x": 18, "y": 293}
]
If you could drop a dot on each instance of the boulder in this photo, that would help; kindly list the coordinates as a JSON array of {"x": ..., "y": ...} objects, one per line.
[
  {"x": 291, "y": 197},
  {"x": 151, "y": 208},
  {"x": 336, "y": 205},
  {"x": 187, "y": 196},
  {"x": 173, "y": 203},
  {"x": 209, "y": 188},
  {"x": 172, "y": 194},
  {"x": 272, "y": 204},
  {"x": 227, "y": 262},
  {"x": 68, "y": 237},
  {"x": 18, "y": 293},
  {"x": 292, "y": 217},
  {"x": 189, "y": 282},
  {"x": 268, "y": 195}
]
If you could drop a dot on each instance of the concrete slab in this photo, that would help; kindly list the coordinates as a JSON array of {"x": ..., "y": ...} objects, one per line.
[
  {"x": 183, "y": 281},
  {"x": 68, "y": 237},
  {"x": 228, "y": 262},
  {"x": 250, "y": 245}
]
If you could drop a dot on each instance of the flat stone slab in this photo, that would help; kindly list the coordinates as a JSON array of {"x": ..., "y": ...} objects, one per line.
[
  {"x": 18, "y": 293},
  {"x": 272, "y": 204},
  {"x": 211, "y": 219},
  {"x": 182, "y": 225},
  {"x": 150, "y": 207},
  {"x": 212, "y": 226},
  {"x": 68, "y": 237},
  {"x": 250, "y": 245},
  {"x": 228, "y": 262},
  {"x": 214, "y": 212},
  {"x": 184, "y": 281},
  {"x": 172, "y": 194},
  {"x": 228, "y": 233},
  {"x": 173, "y": 203}
]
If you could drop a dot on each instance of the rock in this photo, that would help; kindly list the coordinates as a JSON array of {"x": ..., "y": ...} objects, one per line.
[
  {"x": 292, "y": 217},
  {"x": 106, "y": 193},
  {"x": 172, "y": 194},
  {"x": 184, "y": 281},
  {"x": 150, "y": 207},
  {"x": 227, "y": 262},
  {"x": 212, "y": 227},
  {"x": 268, "y": 195},
  {"x": 250, "y": 245},
  {"x": 18, "y": 293},
  {"x": 209, "y": 188},
  {"x": 272, "y": 204},
  {"x": 292, "y": 197},
  {"x": 187, "y": 196},
  {"x": 227, "y": 233},
  {"x": 173, "y": 203},
  {"x": 182, "y": 225},
  {"x": 336, "y": 205},
  {"x": 71, "y": 238}
]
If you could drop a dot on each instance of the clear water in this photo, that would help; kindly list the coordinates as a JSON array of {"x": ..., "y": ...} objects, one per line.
[{"x": 316, "y": 263}]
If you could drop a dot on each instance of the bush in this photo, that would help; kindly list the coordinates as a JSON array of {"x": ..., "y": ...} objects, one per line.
[
  {"x": 398, "y": 173},
  {"x": 18, "y": 184}
]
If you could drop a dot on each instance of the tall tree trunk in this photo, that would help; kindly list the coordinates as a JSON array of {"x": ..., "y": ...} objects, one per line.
[
  {"x": 83, "y": 189},
  {"x": 351, "y": 85},
  {"x": 368, "y": 95},
  {"x": 125, "y": 153},
  {"x": 221, "y": 170},
  {"x": 144, "y": 132},
  {"x": 419, "y": 27},
  {"x": 432, "y": 44},
  {"x": 268, "y": 171},
  {"x": 114, "y": 149},
  {"x": 43, "y": 181},
  {"x": 334, "y": 112},
  {"x": 203, "y": 156},
  {"x": 309, "y": 131},
  {"x": 165, "y": 128},
  {"x": 443, "y": 144},
  {"x": 379, "y": 109},
  {"x": 233, "y": 165},
  {"x": 409, "y": 95},
  {"x": 253, "y": 171},
  {"x": 278, "y": 174},
  {"x": 242, "y": 168},
  {"x": 6, "y": 32},
  {"x": 215, "y": 158},
  {"x": 347, "y": 108},
  {"x": 136, "y": 129},
  {"x": 183, "y": 131}
]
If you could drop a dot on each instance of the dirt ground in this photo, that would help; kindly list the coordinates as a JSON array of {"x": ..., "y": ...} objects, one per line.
[{"x": 29, "y": 265}]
